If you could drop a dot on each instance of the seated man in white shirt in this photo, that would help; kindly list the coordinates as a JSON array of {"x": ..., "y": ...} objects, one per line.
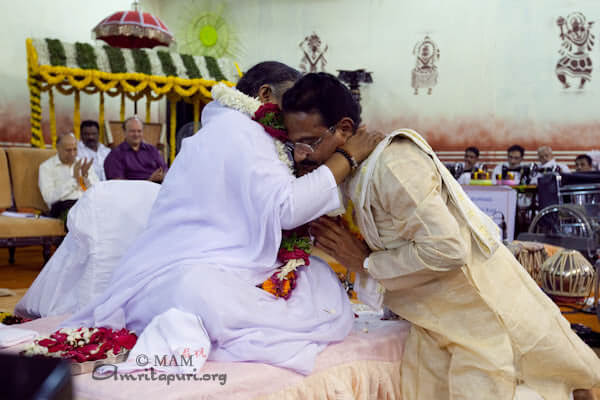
[
  {"x": 470, "y": 165},
  {"x": 63, "y": 178},
  {"x": 547, "y": 161},
  {"x": 514, "y": 158},
  {"x": 89, "y": 147}
]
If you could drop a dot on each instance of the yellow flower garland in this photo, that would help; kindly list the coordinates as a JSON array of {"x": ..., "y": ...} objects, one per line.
[{"x": 45, "y": 77}]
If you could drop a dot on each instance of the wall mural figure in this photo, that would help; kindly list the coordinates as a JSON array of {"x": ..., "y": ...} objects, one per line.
[
  {"x": 577, "y": 41},
  {"x": 425, "y": 73},
  {"x": 312, "y": 54}
]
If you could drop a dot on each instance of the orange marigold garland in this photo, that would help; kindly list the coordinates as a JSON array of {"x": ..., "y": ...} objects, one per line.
[
  {"x": 348, "y": 278},
  {"x": 295, "y": 245},
  {"x": 294, "y": 252}
]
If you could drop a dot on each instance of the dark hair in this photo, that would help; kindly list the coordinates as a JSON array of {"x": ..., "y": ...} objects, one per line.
[
  {"x": 266, "y": 73},
  {"x": 516, "y": 147},
  {"x": 584, "y": 157},
  {"x": 473, "y": 150},
  {"x": 325, "y": 94},
  {"x": 88, "y": 122}
]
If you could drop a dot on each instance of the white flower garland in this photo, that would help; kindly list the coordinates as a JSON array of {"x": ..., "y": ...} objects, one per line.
[
  {"x": 233, "y": 98},
  {"x": 290, "y": 266}
]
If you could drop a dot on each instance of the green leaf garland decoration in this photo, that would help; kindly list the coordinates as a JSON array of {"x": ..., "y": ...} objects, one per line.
[
  {"x": 274, "y": 120},
  {"x": 167, "y": 63},
  {"x": 213, "y": 68},
  {"x": 293, "y": 241},
  {"x": 190, "y": 66},
  {"x": 115, "y": 59},
  {"x": 57, "y": 52},
  {"x": 141, "y": 61},
  {"x": 85, "y": 55}
]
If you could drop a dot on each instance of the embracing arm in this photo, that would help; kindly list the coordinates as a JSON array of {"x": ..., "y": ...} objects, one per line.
[
  {"x": 311, "y": 196},
  {"x": 316, "y": 193}
]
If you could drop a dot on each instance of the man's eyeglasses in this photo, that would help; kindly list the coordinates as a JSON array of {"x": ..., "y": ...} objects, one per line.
[{"x": 312, "y": 145}]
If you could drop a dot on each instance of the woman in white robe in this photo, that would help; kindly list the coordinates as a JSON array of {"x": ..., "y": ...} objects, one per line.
[{"x": 213, "y": 236}]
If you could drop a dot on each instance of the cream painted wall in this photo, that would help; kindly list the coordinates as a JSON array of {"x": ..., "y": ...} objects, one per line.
[
  {"x": 496, "y": 72},
  {"x": 67, "y": 20}
]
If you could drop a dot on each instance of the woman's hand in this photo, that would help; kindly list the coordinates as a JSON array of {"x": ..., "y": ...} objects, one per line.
[{"x": 362, "y": 143}]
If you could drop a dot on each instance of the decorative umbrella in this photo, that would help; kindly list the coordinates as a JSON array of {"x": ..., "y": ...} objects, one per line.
[{"x": 133, "y": 29}]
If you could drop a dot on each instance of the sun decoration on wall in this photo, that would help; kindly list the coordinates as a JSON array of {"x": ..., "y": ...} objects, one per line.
[{"x": 208, "y": 34}]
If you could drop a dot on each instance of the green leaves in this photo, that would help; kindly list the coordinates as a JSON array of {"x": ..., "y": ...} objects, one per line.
[
  {"x": 85, "y": 56},
  {"x": 57, "y": 52},
  {"x": 167, "y": 64},
  {"x": 115, "y": 59},
  {"x": 293, "y": 241},
  {"x": 141, "y": 61},
  {"x": 213, "y": 69},
  {"x": 274, "y": 120},
  {"x": 190, "y": 66}
]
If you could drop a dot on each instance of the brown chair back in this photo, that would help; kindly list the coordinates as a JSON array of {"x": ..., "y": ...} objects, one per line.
[
  {"x": 151, "y": 133},
  {"x": 24, "y": 165},
  {"x": 5, "y": 189}
]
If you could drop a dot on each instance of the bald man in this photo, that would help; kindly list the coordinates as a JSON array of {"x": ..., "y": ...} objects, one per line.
[
  {"x": 547, "y": 161},
  {"x": 63, "y": 178}
]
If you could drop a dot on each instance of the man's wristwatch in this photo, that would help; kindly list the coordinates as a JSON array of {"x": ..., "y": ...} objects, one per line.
[{"x": 351, "y": 160}]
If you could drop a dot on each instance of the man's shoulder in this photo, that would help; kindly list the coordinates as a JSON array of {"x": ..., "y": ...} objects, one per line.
[
  {"x": 146, "y": 146},
  {"x": 50, "y": 163},
  {"x": 103, "y": 150},
  {"x": 403, "y": 151},
  {"x": 226, "y": 116},
  {"x": 149, "y": 148},
  {"x": 115, "y": 153}
]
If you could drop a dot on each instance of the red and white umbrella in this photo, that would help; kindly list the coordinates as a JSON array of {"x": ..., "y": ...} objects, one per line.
[{"x": 133, "y": 29}]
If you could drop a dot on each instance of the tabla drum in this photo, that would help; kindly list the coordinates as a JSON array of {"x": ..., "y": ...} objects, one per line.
[{"x": 531, "y": 256}]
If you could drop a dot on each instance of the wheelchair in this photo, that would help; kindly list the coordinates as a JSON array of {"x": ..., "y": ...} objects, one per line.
[{"x": 570, "y": 217}]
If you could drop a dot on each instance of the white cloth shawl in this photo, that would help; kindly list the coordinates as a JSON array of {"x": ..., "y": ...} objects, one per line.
[{"x": 213, "y": 235}]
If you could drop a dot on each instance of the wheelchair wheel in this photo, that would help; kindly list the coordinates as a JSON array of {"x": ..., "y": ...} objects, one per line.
[{"x": 563, "y": 220}]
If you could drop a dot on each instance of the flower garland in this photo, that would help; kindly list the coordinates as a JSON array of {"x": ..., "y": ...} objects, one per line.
[
  {"x": 55, "y": 64},
  {"x": 232, "y": 98},
  {"x": 295, "y": 246},
  {"x": 83, "y": 344},
  {"x": 293, "y": 252},
  {"x": 348, "y": 278}
]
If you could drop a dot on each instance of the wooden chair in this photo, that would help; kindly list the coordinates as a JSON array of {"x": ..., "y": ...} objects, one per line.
[
  {"x": 22, "y": 164},
  {"x": 115, "y": 134}
]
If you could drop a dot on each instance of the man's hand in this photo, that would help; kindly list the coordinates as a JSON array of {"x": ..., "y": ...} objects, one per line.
[
  {"x": 362, "y": 143},
  {"x": 337, "y": 241},
  {"x": 77, "y": 170},
  {"x": 157, "y": 176},
  {"x": 85, "y": 167}
]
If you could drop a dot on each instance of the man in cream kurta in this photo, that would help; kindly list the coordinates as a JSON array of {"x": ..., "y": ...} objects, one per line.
[{"x": 481, "y": 325}]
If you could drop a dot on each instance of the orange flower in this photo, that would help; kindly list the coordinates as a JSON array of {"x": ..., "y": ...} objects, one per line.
[
  {"x": 269, "y": 286},
  {"x": 280, "y": 288}
]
